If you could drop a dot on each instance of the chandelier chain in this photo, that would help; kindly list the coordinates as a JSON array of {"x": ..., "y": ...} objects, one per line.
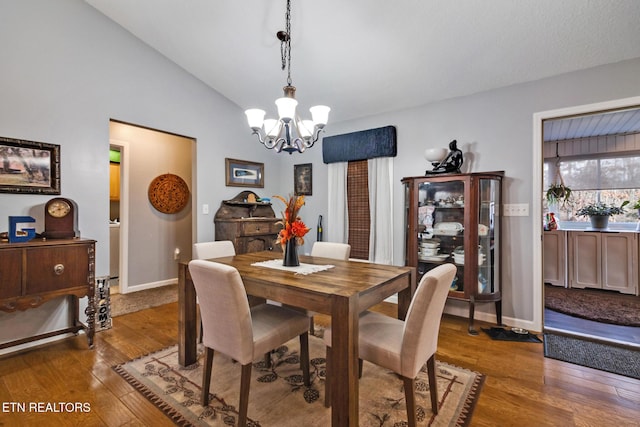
[{"x": 285, "y": 44}]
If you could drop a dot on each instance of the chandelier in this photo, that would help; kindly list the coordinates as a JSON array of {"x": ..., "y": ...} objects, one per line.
[{"x": 289, "y": 133}]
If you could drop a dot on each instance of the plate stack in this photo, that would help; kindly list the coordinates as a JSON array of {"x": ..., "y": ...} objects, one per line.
[{"x": 430, "y": 251}]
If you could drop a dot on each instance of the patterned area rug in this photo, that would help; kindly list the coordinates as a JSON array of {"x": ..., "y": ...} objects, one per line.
[
  {"x": 593, "y": 304},
  {"x": 279, "y": 398}
]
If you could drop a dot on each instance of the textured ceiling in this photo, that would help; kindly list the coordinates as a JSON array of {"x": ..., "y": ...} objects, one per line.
[{"x": 364, "y": 57}]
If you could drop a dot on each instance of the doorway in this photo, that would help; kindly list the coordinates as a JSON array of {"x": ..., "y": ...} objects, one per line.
[
  {"x": 152, "y": 242},
  {"x": 546, "y": 319}
]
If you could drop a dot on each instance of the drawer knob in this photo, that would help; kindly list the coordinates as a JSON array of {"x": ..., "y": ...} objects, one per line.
[{"x": 58, "y": 269}]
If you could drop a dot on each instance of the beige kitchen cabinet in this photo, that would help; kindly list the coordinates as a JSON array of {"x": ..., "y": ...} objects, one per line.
[
  {"x": 114, "y": 181},
  {"x": 603, "y": 260},
  {"x": 555, "y": 257}
]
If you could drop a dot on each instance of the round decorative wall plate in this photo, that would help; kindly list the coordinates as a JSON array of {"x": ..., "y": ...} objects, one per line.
[{"x": 168, "y": 193}]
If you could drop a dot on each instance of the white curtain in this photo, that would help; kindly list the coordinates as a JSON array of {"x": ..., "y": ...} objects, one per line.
[
  {"x": 337, "y": 206},
  {"x": 381, "y": 210}
]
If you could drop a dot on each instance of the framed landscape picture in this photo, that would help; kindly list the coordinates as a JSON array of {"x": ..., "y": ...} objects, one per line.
[
  {"x": 29, "y": 167},
  {"x": 241, "y": 173},
  {"x": 303, "y": 179}
]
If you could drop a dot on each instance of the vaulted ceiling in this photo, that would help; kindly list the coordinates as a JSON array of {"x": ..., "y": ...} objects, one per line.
[{"x": 364, "y": 57}]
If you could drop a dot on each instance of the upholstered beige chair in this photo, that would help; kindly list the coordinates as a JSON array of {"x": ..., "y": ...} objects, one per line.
[
  {"x": 242, "y": 333},
  {"x": 405, "y": 346},
  {"x": 331, "y": 250},
  {"x": 217, "y": 249},
  {"x": 209, "y": 250}
]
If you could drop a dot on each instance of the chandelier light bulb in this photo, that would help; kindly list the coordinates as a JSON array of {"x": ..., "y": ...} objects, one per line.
[
  {"x": 286, "y": 108},
  {"x": 320, "y": 114},
  {"x": 255, "y": 117}
]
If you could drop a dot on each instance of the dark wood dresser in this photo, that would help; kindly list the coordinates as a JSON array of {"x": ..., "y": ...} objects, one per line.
[
  {"x": 250, "y": 225},
  {"x": 34, "y": 272}
]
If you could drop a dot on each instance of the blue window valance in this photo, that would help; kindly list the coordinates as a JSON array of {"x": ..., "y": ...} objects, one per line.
[{"x": 361, "y": 145}]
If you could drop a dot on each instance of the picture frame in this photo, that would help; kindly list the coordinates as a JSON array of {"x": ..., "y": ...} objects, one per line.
[
  {"x": 29, "y": 167},
  {"x": 303, "y": 179},
  {"x": 242, "y": 173}
]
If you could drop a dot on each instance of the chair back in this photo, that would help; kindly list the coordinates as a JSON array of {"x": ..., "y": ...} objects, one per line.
[
  {"x": 225, "y": 312},
  {"x": 421, "y": 327},
  {"x": 217, "y": 249},
  {"x": 332, "y": 250}
]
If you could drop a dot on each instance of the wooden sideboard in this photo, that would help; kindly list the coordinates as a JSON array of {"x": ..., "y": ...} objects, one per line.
[
  {"x": 34, "y": 272},
  {"x": 250, "y": 225}
]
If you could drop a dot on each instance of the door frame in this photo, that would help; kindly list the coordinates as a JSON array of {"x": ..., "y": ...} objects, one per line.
[{"x": 538, "y": 120}]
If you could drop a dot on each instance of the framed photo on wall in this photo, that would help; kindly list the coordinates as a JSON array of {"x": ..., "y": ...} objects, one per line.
[
  {"x": 303, "y": 179},
  {"x": 29, "y": 167},
  {"x": 240, "y": 173}
]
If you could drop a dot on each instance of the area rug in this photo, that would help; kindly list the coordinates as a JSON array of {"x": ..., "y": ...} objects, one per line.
[
  {"x": 136, "y": 301},
  {"x": 597, "y": 305},
  {"x": 279, "y": 398},
  {"x": 592, "y": 354},
  {"x": 502, "y": 334}
]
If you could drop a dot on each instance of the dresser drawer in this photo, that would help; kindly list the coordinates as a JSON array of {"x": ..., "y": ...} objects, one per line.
[
  {"x": 55, "y": 268},
  {"x": 259, "y": 228}
]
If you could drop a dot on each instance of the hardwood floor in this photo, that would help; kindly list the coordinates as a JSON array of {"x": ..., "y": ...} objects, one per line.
[{"x": 522, "y": 387}]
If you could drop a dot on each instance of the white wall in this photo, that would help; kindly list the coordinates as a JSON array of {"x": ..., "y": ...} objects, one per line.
[
  {"x": 495, "y": 131},
  {"x": 67, "y": 70}
]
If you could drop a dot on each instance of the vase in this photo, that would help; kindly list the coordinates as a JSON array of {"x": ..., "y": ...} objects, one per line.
[
  {"x": 599, "y": 222},
  {"x": 290, "y": 258}
]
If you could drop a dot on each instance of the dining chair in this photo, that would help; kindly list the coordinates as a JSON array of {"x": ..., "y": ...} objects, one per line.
[
  {"x": 241, "y": 332},
  {"x": 208, "y": 250},
  {"x": 217, "y": 249},
  {"x": 331, "y": 250},
  {"x": 405, "y": 346}
]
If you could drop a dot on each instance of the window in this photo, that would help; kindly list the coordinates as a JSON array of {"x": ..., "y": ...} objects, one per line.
[{"x": 606, "y": 179}]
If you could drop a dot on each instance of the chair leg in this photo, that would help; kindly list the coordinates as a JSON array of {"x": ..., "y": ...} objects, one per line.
[
  {"x": 304, "y": 358},
  {"x": 410, "y": 397},
  {"x": 206, "y": 375},
  {"x": 327, "y": 382},
  {"x": 433, "y": 385},
  {"x": 312, "y": 329},
  {"x": 245, "y": 382},
  {"x": 360, "y": 362}
]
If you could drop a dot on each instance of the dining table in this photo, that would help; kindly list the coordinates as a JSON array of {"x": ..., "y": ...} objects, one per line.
[{"x": 339, "y": 289}]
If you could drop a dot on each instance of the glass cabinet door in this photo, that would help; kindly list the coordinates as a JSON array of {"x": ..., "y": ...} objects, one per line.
[
  {"x": 488, "y": 236},
  {"x": 441, "y": 212}
]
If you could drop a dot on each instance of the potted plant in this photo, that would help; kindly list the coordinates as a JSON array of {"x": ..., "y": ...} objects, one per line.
[
  {"x": 599, "y": 213},
  {"x": 558, "y": 193}
]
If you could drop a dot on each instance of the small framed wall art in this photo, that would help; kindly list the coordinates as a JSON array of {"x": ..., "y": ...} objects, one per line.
[
  {"x": 241, "y": 173},
  {"x": 303, "y": 179},
  {"x": 29, "y": 167}
]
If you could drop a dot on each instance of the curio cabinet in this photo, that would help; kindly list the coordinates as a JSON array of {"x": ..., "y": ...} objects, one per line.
[{"x": 455, "y": 218}]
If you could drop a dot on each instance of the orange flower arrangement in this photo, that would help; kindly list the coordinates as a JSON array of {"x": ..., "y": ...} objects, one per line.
[{"x": 293, "y": 227}]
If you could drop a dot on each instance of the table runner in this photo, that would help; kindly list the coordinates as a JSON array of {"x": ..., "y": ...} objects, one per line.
[{"x": 303, "y": 268}]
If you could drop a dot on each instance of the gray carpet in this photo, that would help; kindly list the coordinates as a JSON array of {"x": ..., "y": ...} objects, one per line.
[{"x": 598, "y": 355}]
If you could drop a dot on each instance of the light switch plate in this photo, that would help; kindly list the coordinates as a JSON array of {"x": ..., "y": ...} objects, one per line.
[{"x": 516, "y": 209}]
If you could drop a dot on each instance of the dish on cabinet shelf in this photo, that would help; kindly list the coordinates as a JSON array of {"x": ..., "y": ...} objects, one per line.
[
  {"x": 448, "y": 228},
  {"x": 440, "y": 257}
]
